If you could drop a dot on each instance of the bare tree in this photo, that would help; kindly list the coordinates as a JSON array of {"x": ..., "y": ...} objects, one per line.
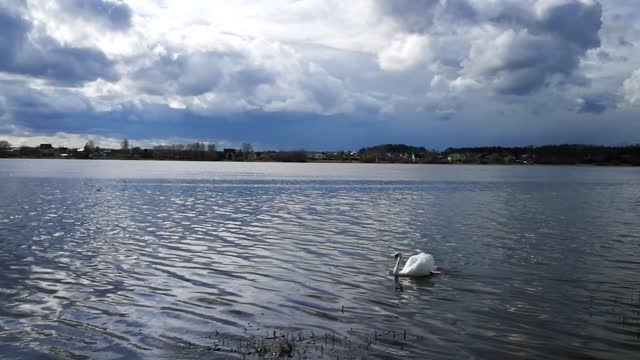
[
  {"x": 5, "y": 145},
  {"x": 125, "y": 145}
]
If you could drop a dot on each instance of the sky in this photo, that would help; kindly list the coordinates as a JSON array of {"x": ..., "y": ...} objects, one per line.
[{"x": 320, "y": 74}]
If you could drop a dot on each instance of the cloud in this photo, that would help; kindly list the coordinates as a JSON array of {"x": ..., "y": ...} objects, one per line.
[
  {"x": 512, "y": 47},
  {"x": 606, "y": 57},
  {"x": 517, "y": 62},
  {"x": 3, "y": 108},
  {"x": 112, "y": 14},
  {"x": 419, "y": 16},
  {"x": 575, "y": 21},
  {"x": 26, "y": 101},
  {"x": 631, "y": 88},
  {"x": 404, "y": 52},
  {"x": 59, "y": 139},
  {"x": 413, "y": 15},
  {"x": 14, "y": 31},
  {"x": 159, "y": 68},
  {"x": 63, "y": 65},
  {"x": 25, "y": 52},
  {"x": 240, "y": 74},
  {"x": 590, "y": 105},
  {"x": 538, "y": 50},
  {"x": 181, "y": 74}
]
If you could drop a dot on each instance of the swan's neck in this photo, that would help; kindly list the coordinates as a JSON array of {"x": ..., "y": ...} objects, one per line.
[{"x": 396, "y": 269}]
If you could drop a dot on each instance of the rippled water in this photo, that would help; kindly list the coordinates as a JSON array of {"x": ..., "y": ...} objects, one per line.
[{"x": 126, "y": 260}]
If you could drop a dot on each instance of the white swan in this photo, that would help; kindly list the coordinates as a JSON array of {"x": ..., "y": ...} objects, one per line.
[{"x": 421, "y": 264}]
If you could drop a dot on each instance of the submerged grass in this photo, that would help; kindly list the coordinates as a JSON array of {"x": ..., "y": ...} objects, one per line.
[
  {"x": 301, "y": 345},
  {"x": 277, "y": 344}
]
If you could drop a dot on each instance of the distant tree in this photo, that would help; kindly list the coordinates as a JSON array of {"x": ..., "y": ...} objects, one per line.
[
  {"x": 196, "y": 146},
  {"x": 195, "y": 151},
  {"x": 125, "y": 145},
  {"x": 90, "y": 145},
  {"x": 289, "y": 156},
  {"x": 247, "y": 148},
  {"x": 212, "y": 153},
  {"x": 5, "y": 145},
  {"x": 247, "y": 151}
]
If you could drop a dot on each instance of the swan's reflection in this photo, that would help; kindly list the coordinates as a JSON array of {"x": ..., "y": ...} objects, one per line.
[
  {"x": 399, "y": 287},
  {"x": 418, "y": 282}
]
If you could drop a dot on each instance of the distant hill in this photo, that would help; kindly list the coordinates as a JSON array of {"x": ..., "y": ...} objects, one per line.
[
  {"x": 397, "y": 153},
  {"x": 393, "y": 149}
]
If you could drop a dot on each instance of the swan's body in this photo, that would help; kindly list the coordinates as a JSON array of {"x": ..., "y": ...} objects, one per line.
[{"x": 421, "y": 264}]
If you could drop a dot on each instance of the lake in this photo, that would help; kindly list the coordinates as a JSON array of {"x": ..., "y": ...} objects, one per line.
[{"x": 173, "y": 260}]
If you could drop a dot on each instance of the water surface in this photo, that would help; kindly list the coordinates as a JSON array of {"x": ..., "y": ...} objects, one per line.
[{"x": 149, "y": 260}]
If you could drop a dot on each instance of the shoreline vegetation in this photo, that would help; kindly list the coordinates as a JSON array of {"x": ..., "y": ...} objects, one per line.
[{"x": 566, "y": 154}]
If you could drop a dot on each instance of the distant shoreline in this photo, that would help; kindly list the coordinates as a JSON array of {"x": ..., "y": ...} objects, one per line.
[
  {"x": 578, "y": 155},
  {"x": 319, "y": 162}
]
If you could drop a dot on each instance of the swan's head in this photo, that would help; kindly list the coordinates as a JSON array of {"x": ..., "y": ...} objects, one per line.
[{"x": 396, "y": 255}]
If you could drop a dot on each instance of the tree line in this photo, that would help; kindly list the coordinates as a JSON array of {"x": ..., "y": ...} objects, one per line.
[{"x": 566, "y": 154}]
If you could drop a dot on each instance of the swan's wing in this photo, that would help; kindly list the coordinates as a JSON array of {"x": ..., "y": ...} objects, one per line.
[
  {"x": 411, "y": 262},
  {"x": 419, "y": 265}
]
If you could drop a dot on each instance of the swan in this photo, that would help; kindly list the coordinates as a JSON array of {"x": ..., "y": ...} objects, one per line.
[{"x": 421, "y": 264}]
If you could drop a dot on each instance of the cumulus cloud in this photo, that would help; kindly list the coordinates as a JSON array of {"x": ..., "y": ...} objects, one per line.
[
  {"x": 542, "y": 48},
  {"x": 512, "y": 47},
  {"x": 240, "y": 74},
  {"x": 28, "y": 53},
  {"x": 575, "y": 21},
  {"x": 404, "y": 52},
  {"x": 518, "y": 62}
]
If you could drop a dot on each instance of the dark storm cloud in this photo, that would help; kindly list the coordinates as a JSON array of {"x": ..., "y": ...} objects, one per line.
[
  {"x": 63, "y": 65},
  {"x": 576, "y": 22},
  {"x": 14, "y": 30},
  {"x": 511, "y": 14},
  {"x": 545, "y": 46},
  {"x": 528, "y": 62},
  {"x": 459, "y": 9},
  {"x": 21, "y": 98},
  {"x": 592, "y": 105},
  {"x": 114, "y": 14},
  {"x": 44, "y": 57}
]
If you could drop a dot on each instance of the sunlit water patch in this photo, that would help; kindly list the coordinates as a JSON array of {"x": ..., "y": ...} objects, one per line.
[{"x": 126, "y": 260}]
